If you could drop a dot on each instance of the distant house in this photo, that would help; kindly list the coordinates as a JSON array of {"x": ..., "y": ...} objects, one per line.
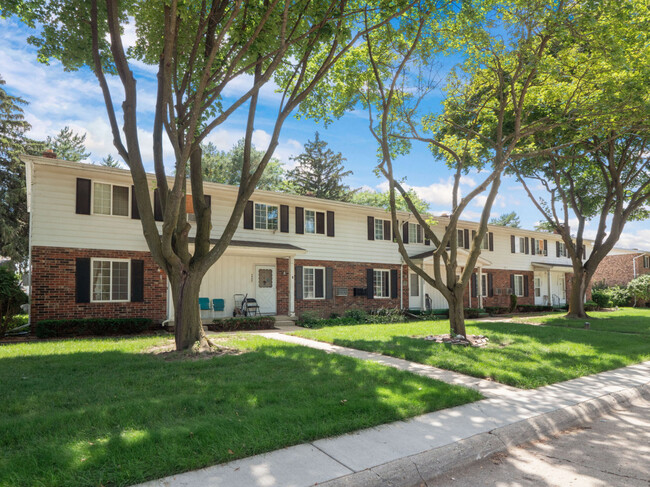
[
  {"x": 291, "y": 253},
  {"x": 621, "y": 266}
]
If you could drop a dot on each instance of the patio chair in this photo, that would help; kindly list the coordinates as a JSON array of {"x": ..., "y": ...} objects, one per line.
[
  {"x": 240, "y": 308},
  {"x": 218, "y": 304},
  {"x": 252, "y": 308},
  {"x": 204, "y": 304}
]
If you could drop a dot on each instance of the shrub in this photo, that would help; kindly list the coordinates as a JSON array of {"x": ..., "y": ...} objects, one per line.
[
  {"x": 497, "y": 310},
  {"x": 600, "y": 297},
  {"x": 533, "y": 308},
  {"x": 473, "y": 312},
  {"x": 620, "y": 296},
  {"x": 353, "y": 317},
  {"x": 513, "y": 302},
  {"x": 356, "y": 314},
  {"x": 243, "y": 323},
  {"x": 591, "y": 306},
  {"x": 386, "y": 315},
  {"x": 91, "y": 326},
  {"x": 308, "y": 318},
  {"x": 11, "y": 298},
  {"x": 639, "y": 288}
]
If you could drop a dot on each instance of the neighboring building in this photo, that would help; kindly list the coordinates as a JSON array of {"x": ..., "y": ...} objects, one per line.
[
  {"x": 292, "y": 253},
  {"x": 620, "y": 266}
]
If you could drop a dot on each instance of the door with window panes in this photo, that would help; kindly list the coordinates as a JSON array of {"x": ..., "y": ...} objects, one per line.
[{"x": 265, "y": 289}]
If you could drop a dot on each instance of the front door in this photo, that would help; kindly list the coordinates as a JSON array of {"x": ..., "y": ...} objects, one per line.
[{"x": 265, "y": 288}]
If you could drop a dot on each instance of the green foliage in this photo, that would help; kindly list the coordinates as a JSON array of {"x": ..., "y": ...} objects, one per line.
[
  {"x": 68, "y": 145},
  {"x": 591, "y": 306},
  {"x": 507, "y": 220},
  {"x": 640, "y": 287},
  {"x": 226, "y": 167},
  {"x": 544, "y": 226},
  {"x": 110, "y": 161},
  {"x": 91, "y": 326},
  {"x": 513, "y": 302},
  {"x": 11, "y": 298},
  {"x": 382, "y": 200},
  {"x": 242, "y": 324},
  {"x": 311, "y": 319},
  {"x": 320, "y": 172},
  {"x": 601, "y": 298}
]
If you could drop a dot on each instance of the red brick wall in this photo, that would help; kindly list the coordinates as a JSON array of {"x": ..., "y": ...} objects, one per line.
[
  {"x": 501, "y": 280},
  {"x": 349, "y": 275},
  {"x": 618, "y": 270},
  {"x": 54, "y": 287},
  {"x": 282, "y": 286}
]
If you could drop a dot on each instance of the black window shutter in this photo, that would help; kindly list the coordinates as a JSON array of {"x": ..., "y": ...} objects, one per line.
[
  {"x": 157, "y": 206},
  {"x": 387, "y": 234},
  {"x": 83, "y": 196},
  {"x": 135, "y": 213},
  {"x": 319, "y": 284},
  {"x": 490, "y": 280},
  {"x": 474, "y": 286},
  {"x": 513, "y": 247},
  {"x": 370, "y": 283},
  {"x": 300, "y": 220},
  {"x": 525, "y": 286},
  {"x": 371, "y": 228},
  {"x": 330, "y": 223},
  {"x": 329, "y": 283},
  {"x": 284, "y": 218},
  {"x": 427, "y": 241},
  {"x": 248, "y": 215},
  {"x": 512, "y": 283},
  {"x": 405, "y": 232},
  {"x": 557, "y": 249},
  {"x": 466, "y": 236},
  {"x": 82, "y": 278},
  {"x": 320, "y": 222},
  {"x": 491, "y": 241},
  {"x": 298, "y": 280},
  {"x": 527, "y": 245},
  {"x": 393, "y": 284},
  {"x": 137, "y": 281},
  {"x": 532, "y": 246},
  {"x": 545, "y": 247}
]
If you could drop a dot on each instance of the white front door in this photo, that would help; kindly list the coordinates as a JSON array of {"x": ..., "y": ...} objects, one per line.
[{"x": 265, "y": 288}]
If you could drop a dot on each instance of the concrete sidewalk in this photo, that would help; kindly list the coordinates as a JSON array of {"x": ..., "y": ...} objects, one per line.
[{"x": 408, "y": 453}]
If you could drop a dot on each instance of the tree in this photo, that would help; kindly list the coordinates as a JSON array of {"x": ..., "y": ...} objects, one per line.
[
  {"x": 200, "y": 49},
  {"x": 544, "y": 226},
  {"x": 11, "y": 298},
  {"x": 226, "y": 167},
  {"x": 382, "y": 200},
  {"x": 640, "y": 288},
  {"x": 320, "y": 172},
  {"x": 14, "y": 219},
  {"x": 507, "y": 220},
  {"x": 68, "y": 145},
  {"x": 110, "y": 161}
]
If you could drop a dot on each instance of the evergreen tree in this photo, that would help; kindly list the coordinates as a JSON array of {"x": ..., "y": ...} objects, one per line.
[
  {"x": 14, "y": 221},
  {"x": 226, "y": 167},
  {"x": 507, "y": 220},
  {"x": 382, "y": 200},
  {"x": 110, "y": 161},
  {"x": 68, "y": 145},
  {"x": 320, "y": 172}
]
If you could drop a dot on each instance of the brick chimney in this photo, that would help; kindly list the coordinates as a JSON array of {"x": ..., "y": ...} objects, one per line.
[{"x": 50, "y": 154}]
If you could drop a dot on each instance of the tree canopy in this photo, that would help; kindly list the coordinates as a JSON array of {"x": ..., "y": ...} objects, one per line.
[
  {"x": 68, "y": 145},
  {"x": 382, "y": 200},
  {"x": 507, "y": 220}
]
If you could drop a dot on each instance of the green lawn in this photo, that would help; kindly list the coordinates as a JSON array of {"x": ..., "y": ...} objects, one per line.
[
  {"x": 100, "y": 412},
  {"x": 625, "y": 320},
  {"x": 525, "y": 356}
]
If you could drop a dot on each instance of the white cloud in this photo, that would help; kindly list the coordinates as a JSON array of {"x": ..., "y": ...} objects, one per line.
[
  {"x": 439, "y": 194},
  {"x": 634, "y": 240}
]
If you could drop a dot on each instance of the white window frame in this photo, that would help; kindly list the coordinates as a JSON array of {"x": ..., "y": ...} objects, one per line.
[
  {"x": 413, "y": 232},
  {"x": 304, "y": 288},
  {"x": 128, "y": 199},
  {"x": 381, "y": 233},
  {"x": 305, "y": 222},
  {"x": 537, "y": 286},
  {"x": 484, "y": 292},
  {"x": 563, "y": 252},
  {"x": 519, "y": 277},
  {"x": 267, "y": 206},
  {"x": 646, "y": 261},
  {"x": 486, "y": 241},
  {"x": 521, "y": 243},
  {"x": 412, "y": 288},
  {"x": 539, "y": 244},
  {"x": 374, "y": 286},
  {"x": 128, "y": 285},
  {"x": 460, "y": 238}
]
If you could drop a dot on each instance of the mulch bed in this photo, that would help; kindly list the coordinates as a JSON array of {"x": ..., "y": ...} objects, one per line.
[{"x": 469, "y": 341}]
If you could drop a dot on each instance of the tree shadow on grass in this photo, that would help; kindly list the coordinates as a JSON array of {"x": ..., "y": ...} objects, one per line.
[{"x": 116, "y": 418}]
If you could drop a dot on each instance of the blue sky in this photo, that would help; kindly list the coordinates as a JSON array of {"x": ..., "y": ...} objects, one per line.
[{"x": 58, "y": 98}]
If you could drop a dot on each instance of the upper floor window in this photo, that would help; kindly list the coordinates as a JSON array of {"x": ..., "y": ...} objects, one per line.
[
  {"x": 381, "y": 283},
  {"x": 266, "y": 216},
  {"x": 461, "y": 238},
  {"x": 110, "y": 199},
  {"x": 540, "y": 249},
  {"x": 310, "y": 221},
  {"x": 561, "y": 249},
  {"x": 110, "y": 280},
  {"x": 415, "y": 233},
  {"x": 486, "y": 242},
  {"x": 379, "y": 229},
  {"x": 522, "y": 244}
]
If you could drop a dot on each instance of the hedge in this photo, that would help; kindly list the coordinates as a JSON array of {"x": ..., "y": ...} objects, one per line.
[
  {"x": 91, "y": 326},
  {"x": 242, "y": 324}
]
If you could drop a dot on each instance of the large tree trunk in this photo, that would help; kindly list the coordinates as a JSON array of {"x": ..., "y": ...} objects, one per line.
[
  {"x": 579, "y": 283},
  {"x": 457, "y": 316},
  {"x": 185, "y": 287}
]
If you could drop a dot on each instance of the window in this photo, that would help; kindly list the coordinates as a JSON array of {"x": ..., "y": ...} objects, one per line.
[
  {"x": 110, "y": 280},
  {"x": 381, "y": 284},
  {"x": 461, "y": 240},
  {"x": 486, "y": 242},
  {"x": 538, "y": 287},
  {"x": 522, "y": 245},
  {"x": 414, "y": 285},
  {"x": 415, "y": 233},
  {"x": 313, "y": 282},
  {"x": 266, "y": 217},
  {"x": 484, "y": 285},
  {"x": 539, "y": 247},
  {"x": 109, "y": 199},
  {"x": 646, "y": 261},
  {"x": 519, "y": 285},
  {"x": 562, "y": 249},
  {"x": 310, "y": 221},
  {"x": 379, "y": 229}
]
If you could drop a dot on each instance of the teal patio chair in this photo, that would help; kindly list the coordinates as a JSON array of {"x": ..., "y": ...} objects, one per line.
[
  {"x": 204, "y": 304},
  {"x": 218, "y": 304}
]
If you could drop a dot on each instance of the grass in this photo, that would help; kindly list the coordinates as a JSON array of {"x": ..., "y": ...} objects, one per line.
[
  {"x": 100, "y": 412},
  {"x": 520, "y": 355},
  {"x": 625, "y": 320}
]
